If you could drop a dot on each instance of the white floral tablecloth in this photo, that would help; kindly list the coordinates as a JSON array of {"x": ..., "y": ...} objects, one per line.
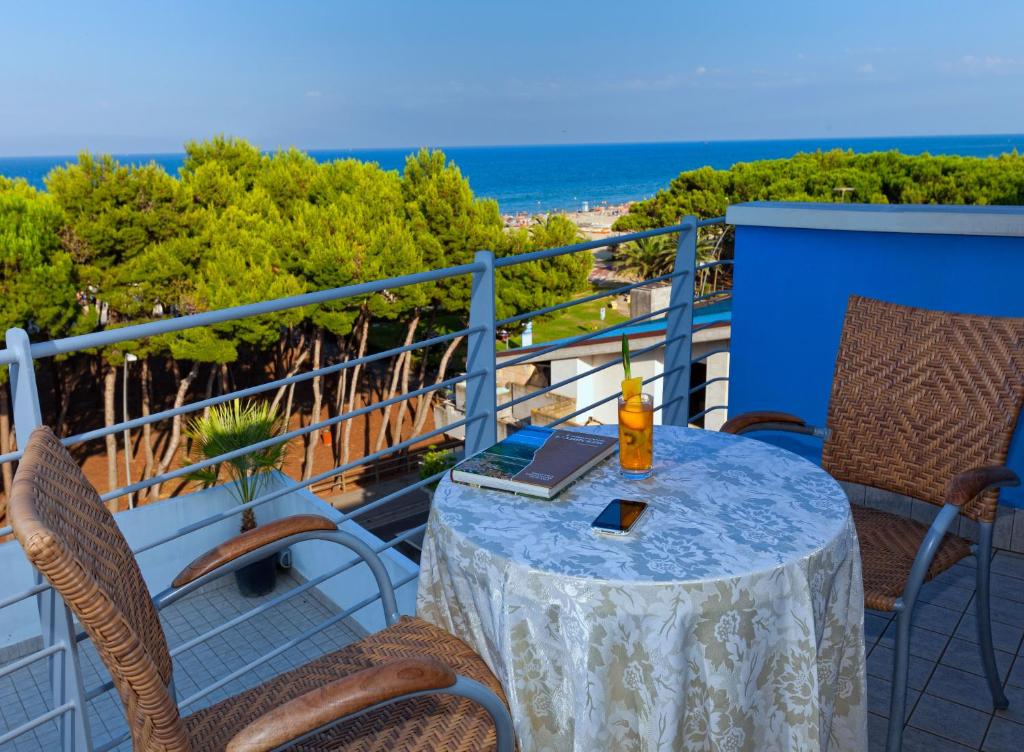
[{"x": 730, "y": 619}]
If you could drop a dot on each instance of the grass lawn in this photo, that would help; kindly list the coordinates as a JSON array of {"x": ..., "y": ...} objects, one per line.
[{"x": 569, "y": 322}]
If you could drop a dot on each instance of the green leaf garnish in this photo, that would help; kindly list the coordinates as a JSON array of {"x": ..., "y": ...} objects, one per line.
[{"x": 625, "y": 355}]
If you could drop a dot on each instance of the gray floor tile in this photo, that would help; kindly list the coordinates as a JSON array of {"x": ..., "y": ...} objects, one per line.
[
  {"x": 1009, "y": 564},
  {"x": 879, "y": 697},
  {"x": 950, "y": 720},
  {"x": 914, "y": 740},
  {"x": 1015, "y": 712},
  {"x": 924, "y": 643},
  {"x": 966, "y": 656},
  {"x": 1004, "y": 636},
  {"x": 936, "y": 618},
  {"x": 961, "y": 687},
  {"x": 942, "y": 592},
  {"x": 23, "y": 695},
  {"x": 880, "y": 664},
  {"x": 1010, "y": 588},
  {"x": 1004, "y": 736}
]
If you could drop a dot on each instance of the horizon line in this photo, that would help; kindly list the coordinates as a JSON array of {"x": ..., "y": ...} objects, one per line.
[{"x": 412, "y": 149}]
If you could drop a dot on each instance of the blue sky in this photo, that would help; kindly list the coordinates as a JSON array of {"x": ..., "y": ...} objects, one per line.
[{"x": 142, "y": 77}]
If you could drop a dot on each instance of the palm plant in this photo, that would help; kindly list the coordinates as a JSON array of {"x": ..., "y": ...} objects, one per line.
[
  {"x": 229, "y": 427},
  {"x": 647, "y": 257}
]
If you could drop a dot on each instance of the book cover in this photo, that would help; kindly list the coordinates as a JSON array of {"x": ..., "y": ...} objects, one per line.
[{"x": 535, "y": 460}]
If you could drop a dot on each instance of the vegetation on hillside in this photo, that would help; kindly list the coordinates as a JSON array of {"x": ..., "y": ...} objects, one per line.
[
  {"x": 109, "y": 245},
  {"x": 837, "y": 175}
]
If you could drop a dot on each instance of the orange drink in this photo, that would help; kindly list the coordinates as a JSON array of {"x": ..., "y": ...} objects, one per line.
[{"x": 636, "y": 435}]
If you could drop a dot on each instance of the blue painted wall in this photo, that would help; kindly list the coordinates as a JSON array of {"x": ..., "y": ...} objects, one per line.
[{"x": 791, "y": 287}]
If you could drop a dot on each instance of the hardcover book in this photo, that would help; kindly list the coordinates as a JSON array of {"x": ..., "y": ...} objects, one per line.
[{"x": 536, "y": 461}]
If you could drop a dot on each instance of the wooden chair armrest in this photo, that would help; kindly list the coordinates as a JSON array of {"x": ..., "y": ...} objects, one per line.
[
  {"x": 964, "y": 486},
  {"x": 248, "y": 541},
  {"x": 322, "y": 706},
  {"x": 763, "y": 420}
]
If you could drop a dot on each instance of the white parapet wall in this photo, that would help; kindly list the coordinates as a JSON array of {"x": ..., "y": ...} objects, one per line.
[{"x": 20, "y": 622}]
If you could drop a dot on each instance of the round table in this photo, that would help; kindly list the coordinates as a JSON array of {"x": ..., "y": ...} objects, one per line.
[{"x": 731, "y": 618}]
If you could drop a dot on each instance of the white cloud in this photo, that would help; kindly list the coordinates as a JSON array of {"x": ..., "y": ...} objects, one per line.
[
  {"x": 701, "y": 70},
  {"x": 866, "y": 68},
  {"x": 314, "y": 94}
]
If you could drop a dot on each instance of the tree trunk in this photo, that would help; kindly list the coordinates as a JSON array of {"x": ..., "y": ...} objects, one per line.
[
  {"x": 248, "y": 519},
  {"x": 209, "y": 387},
  {"x": 147, "y": 433},
  {"x": 353, "y": 389},
  {"x": 282, "y": 389},
  {"x": 442, "y": 369},
  {"x": 399, "y": 368},
  {"x": 5, "y": 444},
  {"x": 403, "y": 406},
  {"x": 314, "y": 415},
  {"x": 109, "y": 418},
  {"x": 172, "y": 444}
]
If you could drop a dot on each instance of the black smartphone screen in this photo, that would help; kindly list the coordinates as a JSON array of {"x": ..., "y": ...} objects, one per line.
[{"x": 620, "y": 515}]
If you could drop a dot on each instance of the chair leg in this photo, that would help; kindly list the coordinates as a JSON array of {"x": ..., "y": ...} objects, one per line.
[
  {"x": 900, "y": 667},
  {"x": 983, "y": 555}
]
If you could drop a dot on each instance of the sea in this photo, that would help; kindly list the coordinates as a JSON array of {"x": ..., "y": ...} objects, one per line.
[{"x": 574, "y": 177}]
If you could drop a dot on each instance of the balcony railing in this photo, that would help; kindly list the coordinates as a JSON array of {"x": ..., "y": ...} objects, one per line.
[{"x": 60, "y": 640}]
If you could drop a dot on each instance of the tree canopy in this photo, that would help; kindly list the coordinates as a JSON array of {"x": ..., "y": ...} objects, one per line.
[{"x": 837, "y": 175}]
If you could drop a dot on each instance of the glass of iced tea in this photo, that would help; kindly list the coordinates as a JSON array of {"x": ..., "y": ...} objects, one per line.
[{"x": 636, "y": 436}]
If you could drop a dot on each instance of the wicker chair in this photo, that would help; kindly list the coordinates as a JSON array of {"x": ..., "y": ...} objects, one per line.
[
  {"x": 410, "y": 686},
  {"x": 923, "y": 404}
]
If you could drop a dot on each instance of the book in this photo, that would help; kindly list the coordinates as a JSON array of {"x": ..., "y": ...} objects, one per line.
[{"x": 536, "y": 461}]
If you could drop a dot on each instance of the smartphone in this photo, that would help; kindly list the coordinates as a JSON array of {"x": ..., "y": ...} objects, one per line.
[{"x": 619, "y": 517}]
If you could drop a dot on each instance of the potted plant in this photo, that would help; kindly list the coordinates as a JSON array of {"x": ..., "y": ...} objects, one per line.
[{"x": 226, "y": 428}]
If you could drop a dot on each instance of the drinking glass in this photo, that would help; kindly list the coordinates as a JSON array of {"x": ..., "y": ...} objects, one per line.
[{"x": 636, "y": 436}]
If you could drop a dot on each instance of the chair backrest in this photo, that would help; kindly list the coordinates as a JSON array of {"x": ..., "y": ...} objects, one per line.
[
  {"x": 919, "y": 396},
  {"x": 70, "y": 536}
]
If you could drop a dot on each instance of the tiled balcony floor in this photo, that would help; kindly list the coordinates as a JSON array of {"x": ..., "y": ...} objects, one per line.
[
  {"x": 25, "y": 693},
  {"x": 954, "y": 712}
]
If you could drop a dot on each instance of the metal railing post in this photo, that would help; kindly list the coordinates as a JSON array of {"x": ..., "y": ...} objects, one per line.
[
  {"x": 679, "y": 330},
  {"x": 482, "y": 391},
  {"x": 55, "y": 620}
]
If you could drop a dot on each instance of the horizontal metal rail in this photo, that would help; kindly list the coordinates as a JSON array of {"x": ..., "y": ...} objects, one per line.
[
  {"x": 704, "y": 412},
  {"x": 39, "y": 720},
  {"x": 706, "y": 384},
  {"x": 709, "y": 353},
  {"x": 166, "y": 326},
  {"x": 284, "y": 491},
  {"x": 712, "y": 294},
  {"x": 11, "y": 456},
  {"x": 600, "y": 402},
  {"x": 590, "y": 298},
  {"x": 525, "y": 258},
  {"x": 270, "y": 385},
  {"x": 590, "y": 372},
  {"x": 712, "y": 264},
  {"x": 327, "y": 623},
  {"x": 570, "y": 341},
  {"x": 283, "y": 438},
  {"x": 34, "y": 590},
  {"x": 263, "y": 607},
  {"x": 28, "y": 660}
]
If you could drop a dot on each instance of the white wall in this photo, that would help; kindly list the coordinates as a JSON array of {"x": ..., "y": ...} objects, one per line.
[{"x": 592, "y": 388}]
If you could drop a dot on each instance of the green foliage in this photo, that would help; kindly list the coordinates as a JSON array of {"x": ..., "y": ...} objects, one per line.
[
  {"x": 436, "y": 461},
  {"x": 538, "y": 284},
  {"x": 37, "y": 276},
  {"x": 229, "y": 427},
  {"x": 648, "y": 257},
  {"x": 834, "y": 176}
]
